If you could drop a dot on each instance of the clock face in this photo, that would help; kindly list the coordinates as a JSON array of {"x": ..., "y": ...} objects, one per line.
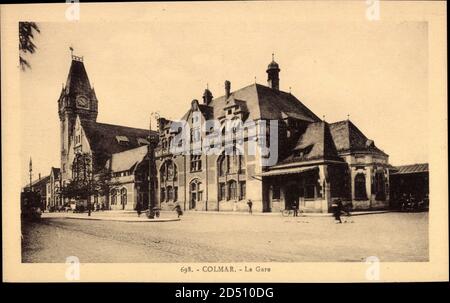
[{"x": 82, "y": 102}]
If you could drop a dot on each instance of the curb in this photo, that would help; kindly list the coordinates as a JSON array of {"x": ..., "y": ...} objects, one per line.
[
  {"x": 374, "y": 212},
  {"x": 123, "y": 219}
]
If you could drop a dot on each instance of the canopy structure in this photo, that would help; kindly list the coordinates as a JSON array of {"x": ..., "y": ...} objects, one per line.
[{"x": 287, "y": 171}]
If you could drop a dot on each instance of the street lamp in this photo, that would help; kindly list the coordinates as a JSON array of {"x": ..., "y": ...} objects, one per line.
[{"x": 153, "y": 140}]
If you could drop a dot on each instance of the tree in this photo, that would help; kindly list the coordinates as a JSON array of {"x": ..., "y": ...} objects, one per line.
[
  {"x": 27, "y": 31},
  {"x": 85, "y": 183}
]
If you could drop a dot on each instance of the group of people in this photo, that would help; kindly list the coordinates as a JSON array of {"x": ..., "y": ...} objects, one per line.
[
  {"x": 338, "y": 208},
  {"x": 177, "y": 208}
]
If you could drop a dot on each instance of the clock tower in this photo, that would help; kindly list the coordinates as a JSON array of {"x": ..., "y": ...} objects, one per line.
[{"x": 77, "y": 98}]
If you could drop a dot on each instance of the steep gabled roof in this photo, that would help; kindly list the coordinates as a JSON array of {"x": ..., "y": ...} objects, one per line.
[
  {"x": 348, "y": 138},
  {"x": 55, "y": 172},
  {"x": 38, "y": 182},
  {"x": 103, "y": 139},
  {"x": 265, "y": 103},
  {"x": 315, "y": 143},
  {"x": 128, "y": 159}
]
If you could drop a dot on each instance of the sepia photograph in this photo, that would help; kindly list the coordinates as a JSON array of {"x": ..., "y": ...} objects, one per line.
[{"x": 226, "y": 138}]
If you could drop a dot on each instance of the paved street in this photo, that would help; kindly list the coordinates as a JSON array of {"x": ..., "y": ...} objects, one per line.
[{"x": 229, "y": 238}]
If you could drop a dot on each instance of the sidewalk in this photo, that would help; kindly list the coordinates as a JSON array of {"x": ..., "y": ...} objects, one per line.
[
  {"x": 169, "y": 216},
  {"x": 244, "y": 213},
  {"x": 107, "y": 216}
]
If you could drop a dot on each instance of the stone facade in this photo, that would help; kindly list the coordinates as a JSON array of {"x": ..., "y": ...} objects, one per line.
[
  {"x": 316, "y": 163},
  {"x": 53, "y": 189},
  {"x": 120, "y": 150}
]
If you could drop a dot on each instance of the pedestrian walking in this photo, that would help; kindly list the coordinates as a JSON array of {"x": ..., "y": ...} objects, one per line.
[
  {"x": 178, "y": 209},
  {"x": 250, "y": 205},
  {"x": 139, "y": 208},
  {"x": 337, "y": 209}
]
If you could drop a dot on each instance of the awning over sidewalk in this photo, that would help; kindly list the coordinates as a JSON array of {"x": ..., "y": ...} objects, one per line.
[{"x": 288, "y": 171}]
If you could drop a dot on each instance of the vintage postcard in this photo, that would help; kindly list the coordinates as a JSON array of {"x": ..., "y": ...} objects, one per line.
[{"x": 284, "y": 141}]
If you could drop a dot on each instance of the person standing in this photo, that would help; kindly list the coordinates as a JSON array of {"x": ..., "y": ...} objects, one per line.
[
  {"x": 139, "y": 208},
  {"x": 337, "y": 208},
  {"x": 250, "y": 205},
  {"x": 295, "y": 208}
]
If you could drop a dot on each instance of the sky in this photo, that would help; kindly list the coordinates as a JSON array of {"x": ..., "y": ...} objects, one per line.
[{"x": 376, "y": 72}]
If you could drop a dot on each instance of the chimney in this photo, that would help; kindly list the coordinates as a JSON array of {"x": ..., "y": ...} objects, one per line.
[
  {"x": 227, "y": 89},
  {"x": 39, "y": 176}
]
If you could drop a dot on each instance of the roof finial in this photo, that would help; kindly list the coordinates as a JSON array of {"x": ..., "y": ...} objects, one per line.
[
  {"x": 290, "y": 88},
  {"x": 348, "y": 116},
  {"x": 255, "y": 79},
  {"x": 323, "y": 118},
  {"x": 75, "y": 58},
  {"x": 207, "y": 85}
]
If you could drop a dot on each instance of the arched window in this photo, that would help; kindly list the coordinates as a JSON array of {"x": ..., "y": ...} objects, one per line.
[
  {"x": 195, "y": 193},
  {"x": 241, "y": 164},
  {"x": 168, "y": 171},
  {"x": 163, "y": 195},
  {"x": 168, "y": 175},
  {"x": 175, "y": 194},
  {"x": 169, "y": 193},
  {"x": 162, "y": 173},
  {"x": 380, "y": 186},
  {"x": 360, "y": 187},
  {"x": 222, "y": 166},
  {"x": 222, "y": 191},
  {"x": 229, "y": 165},
  {"x": 113, "y": 197},
  {"x": 233, "y": 162},
  {"x": 123, "y": 196},
  {"x": 242, "y": 190},
  {"x": 232, "y": 190}
]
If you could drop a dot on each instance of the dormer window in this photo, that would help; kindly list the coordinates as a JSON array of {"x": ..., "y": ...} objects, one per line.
[
  {"x": 122, "y": 140},
  {"x": 142, "y": 141}
]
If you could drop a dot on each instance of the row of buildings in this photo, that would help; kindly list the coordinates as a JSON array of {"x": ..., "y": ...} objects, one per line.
[{"x": 299, "y": 159}]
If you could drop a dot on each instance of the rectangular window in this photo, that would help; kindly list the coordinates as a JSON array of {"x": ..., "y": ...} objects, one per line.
[
  {"x": 123, "y": 140},
  {"x": 310, "y": 190},
  {"x": 196, "y": 163},
  {"x": 222, "y": 191},
  {"x": 243, "y": 190},
  {"x": 276, "y": 192},
  {"x": 142, "y": 141},
  {"x": 232, "y": 194}
]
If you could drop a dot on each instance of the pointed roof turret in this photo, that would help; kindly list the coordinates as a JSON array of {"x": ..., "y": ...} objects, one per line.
[{"x": 77, "y": 80}]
